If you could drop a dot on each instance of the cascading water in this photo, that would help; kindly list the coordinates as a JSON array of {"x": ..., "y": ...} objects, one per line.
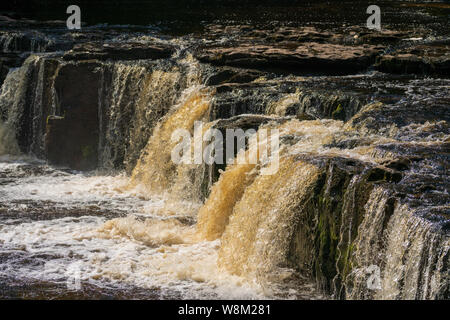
[
  {"x": 357, "y": 193},
  {"x": 138, "y": 94},
  {"x": 415, "y": 259},
  {"x": 23, "y": 41},
  {"x": 257, "y": 235},
  {"x": 8, "y": 143},
  {"x": 155, "y": 168}
]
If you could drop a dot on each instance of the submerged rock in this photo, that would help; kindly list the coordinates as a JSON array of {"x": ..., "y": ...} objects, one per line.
[{"x": 425, "y": 119}]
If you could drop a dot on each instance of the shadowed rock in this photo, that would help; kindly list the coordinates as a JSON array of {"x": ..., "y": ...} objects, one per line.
[
  {"x": 433, "y": 58},
  {"x": 303, "y": 58},
  {"x": 72, "y": 140},
  {"x": 118, "y": 51}
]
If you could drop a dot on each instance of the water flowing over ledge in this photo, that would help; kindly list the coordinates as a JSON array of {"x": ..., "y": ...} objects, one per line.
[{"x": 87, "y": 180}]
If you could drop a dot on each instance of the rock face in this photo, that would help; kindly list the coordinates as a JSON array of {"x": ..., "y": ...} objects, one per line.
[
  {"x": 25, "y": 41},
  {"x": 402, "y": 120},
  {"x": 233, "y": 75},
  {"x": 347, "y": 225},
  {"x": 286, "y": 99},
  {"x": 72, "y": 140}
]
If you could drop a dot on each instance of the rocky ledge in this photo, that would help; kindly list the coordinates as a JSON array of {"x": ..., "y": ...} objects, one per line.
[
  {"x": 309, "y": 50},
  {"x": 119, "y": 51},
  {"x": 307, "y": 58},
  {"x": 429, "y": 58}
]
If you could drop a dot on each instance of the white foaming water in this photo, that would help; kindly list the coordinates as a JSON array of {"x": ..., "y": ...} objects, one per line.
[
  {"x": 189, "y": 270},
  {"x": 148, "y": 248}
]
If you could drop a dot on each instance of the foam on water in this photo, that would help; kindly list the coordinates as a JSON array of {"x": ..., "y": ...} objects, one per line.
[{"x": 148, "y": 248}]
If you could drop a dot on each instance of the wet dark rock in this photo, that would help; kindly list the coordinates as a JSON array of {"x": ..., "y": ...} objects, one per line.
[
  {"x": 11, "y": 60},
  {"x": 23, "y": 41},
  {"x": 431, "y": 58},
  {"x": 72, "y": 139},
  {"x": 385, "y": 37},
  {"x": 247, "y": 121},
  {"x": 400, "y": 164},
  {"x": 384, "y": 174},
  {"x": 269, "y": 34},
  {"x": 328, "y": 224},
  {"x": 232, "y": 75},
  {"x": 311, "y": 57},
  {"x": 315, "y": 246},
  {"x": 4, "y": 69},
  {"x": 320, "y": 105},
  {"x": 408, "y": 120},
  {"x": 289, "y": 35},
  {"x": 283, "y": 99},
  {"x": 235, "y": 99},
  {"x": 25, "y": 211},
  {"x": 119, "y": 51},
  {"x": 424, "y": 168},
  {"x": 296, "y": 50}
]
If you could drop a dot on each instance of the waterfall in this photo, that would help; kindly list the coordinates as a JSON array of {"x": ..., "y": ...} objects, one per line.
[
  {"x": 416, "y": 259},
  {"x": 213, "y": 216},
  {"x": 257, "y": 236},
  {"x": 27, "y": 98},
  {"x": 369, "y": 244},
  {"x": 23, "y": 41},
  {"x": 252, "y": 213},
  {"x": 119, "y": 89},
  {"x": 155, "y": 168},
  {"x": 15, "y": 98},
  {"x": 8, "y": 143},
  {"x": 227, "y": 191},
  {"x": 255, "y": 216},
  {"x": 346, "y": 205},
  {"x": 409, "y": 256},
  {"x": 133, "y": 98}
]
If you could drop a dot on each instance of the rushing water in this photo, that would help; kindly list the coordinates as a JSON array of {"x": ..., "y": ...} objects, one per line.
[
  {"x": 119, "y": 232},
  {"x": 361, "y": 186},
  {"x": 46, "y": 229}
]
